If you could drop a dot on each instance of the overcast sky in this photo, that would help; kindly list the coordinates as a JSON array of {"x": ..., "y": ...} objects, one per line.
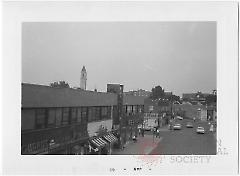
[{"x": 179, "y": 56}]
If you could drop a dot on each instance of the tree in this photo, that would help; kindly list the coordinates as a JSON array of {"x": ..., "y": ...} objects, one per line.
[
  {"x": 60, "y": 84},
  {"x": 157, "y": 92},
  {"x": 211, "y": 99}
]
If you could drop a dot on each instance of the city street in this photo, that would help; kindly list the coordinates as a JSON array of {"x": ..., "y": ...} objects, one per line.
[
  {"x": 175, "y": 142},
  {"x": 186, "y": 141}
]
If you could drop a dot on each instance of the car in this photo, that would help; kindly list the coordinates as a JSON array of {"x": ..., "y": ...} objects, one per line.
[
  {"x": 147, "y": 128},
  {"x": 180, "y": 118},
  {"x": 177, "y": 127},
  {"x": 200, "y": 130},
  {"x": 189, "y": 125}
]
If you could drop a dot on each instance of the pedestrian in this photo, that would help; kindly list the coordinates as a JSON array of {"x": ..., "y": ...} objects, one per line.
[
  {"x": 142, "y": 132},
  {"x": 158, "y": 133},
  {"x": 139, "y": 131}
]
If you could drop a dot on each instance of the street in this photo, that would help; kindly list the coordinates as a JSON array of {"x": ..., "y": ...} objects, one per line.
[
  {"x": 175, "y": 142},
  {"x": 186, "y": 141}
]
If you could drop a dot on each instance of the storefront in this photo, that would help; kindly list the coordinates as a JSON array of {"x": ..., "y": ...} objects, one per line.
[
  {"x": 111, "y": 139},
  {"x": 98, "y": 146}
]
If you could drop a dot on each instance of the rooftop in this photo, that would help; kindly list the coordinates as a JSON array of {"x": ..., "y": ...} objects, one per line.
[{"x": 36, "y": 96}]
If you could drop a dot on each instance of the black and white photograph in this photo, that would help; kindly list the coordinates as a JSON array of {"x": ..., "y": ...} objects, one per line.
[
  {"x": 122, "y": 87},
  {"x": 119, "y": 88}
]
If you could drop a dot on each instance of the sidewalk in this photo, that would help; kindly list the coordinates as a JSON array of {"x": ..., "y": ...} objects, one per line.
[{"x": 143, "y": 146}]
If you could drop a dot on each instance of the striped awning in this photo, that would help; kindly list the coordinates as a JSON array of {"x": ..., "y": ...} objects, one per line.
[
  {"x": 99, "y": 142},
  {"x": 110, "y": 138}
]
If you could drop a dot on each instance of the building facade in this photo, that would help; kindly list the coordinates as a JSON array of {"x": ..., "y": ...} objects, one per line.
[
  {"x": 139, "y": 92},
  {"x": 157, "y": 112},
  {"x": 69, "y": 121}
]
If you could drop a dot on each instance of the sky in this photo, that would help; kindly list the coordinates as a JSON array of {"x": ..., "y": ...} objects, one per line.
[{"x": 178, "y": 56}]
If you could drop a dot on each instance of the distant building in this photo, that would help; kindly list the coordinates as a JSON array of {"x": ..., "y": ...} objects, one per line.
[
  {"x": 139, "y": 92},
  {"x": 190, "y": 111},
  {"x": 157, "y": 112},
  {"x": 83, "y": 79},
  {"x": 195, "y": 98}
]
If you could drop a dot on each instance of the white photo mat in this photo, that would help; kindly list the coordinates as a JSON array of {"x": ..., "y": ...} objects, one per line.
[{"x": 226, "y": 16}]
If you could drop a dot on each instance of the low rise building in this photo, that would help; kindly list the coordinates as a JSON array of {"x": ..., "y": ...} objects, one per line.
[{"x": 70, "y": 121}]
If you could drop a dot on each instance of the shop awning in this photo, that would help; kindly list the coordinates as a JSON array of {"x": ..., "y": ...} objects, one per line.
[
  {"x": 110, "y": 138},
  {"x": 99, "y": 142}
]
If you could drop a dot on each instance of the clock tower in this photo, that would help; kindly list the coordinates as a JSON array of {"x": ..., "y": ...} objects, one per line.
[{"x": 83, "y": 79}]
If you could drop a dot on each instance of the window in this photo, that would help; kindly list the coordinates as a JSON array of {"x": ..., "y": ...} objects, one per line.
[
  {"x": 129, "y": 109},
  {"x": 109, "y": 112},
  {"x": 79, "y": 115},
  {"x": 91, "y": 114},
  {"x": 150, "y": 108},
  {"x": 134, "y": 109},
  {"x": 73, "y": 115},
  {"x": 40, "y": 118},
  {"x": 65, "y": 118},
  {"x": 51, "y": 118},
  {"x": 97, "y": 113},
  {"x": 104, "y": 113},
  {"x": 84, "y": 115},
  {"x": 125, "y": 109},
  {"x": 58, "y": 117}
]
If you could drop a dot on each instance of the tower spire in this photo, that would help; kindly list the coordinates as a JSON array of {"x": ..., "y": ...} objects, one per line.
[{"x": 83, "y": 79}]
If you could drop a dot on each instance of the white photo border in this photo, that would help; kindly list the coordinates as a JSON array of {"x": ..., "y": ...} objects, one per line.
[{"x": 224, "y": 13}]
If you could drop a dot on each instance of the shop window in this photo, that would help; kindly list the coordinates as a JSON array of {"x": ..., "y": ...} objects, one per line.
[
  {"x": 40, "y": 118},
  {"x": 73, "y": 115},
  {"x": 51, "y": 118},
  {"x": 79, "y": 115},
  {"x": 65, "y": 119},
  {"x": 58, "y": 117}
]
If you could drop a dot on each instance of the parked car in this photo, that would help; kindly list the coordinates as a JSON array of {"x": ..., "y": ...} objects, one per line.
[
  {"x": 200, "y": 130},
  {"x": 189, "y": 125},
  {"x": 177, "y": 127}
]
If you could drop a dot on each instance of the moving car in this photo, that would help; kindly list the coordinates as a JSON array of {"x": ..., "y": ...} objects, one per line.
[
  {"x": 180, "y": 118},
  {"x": 189, "y": 125},
  {"x": 200, "y": 130},
  {"x": 177, "y": 127}
]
